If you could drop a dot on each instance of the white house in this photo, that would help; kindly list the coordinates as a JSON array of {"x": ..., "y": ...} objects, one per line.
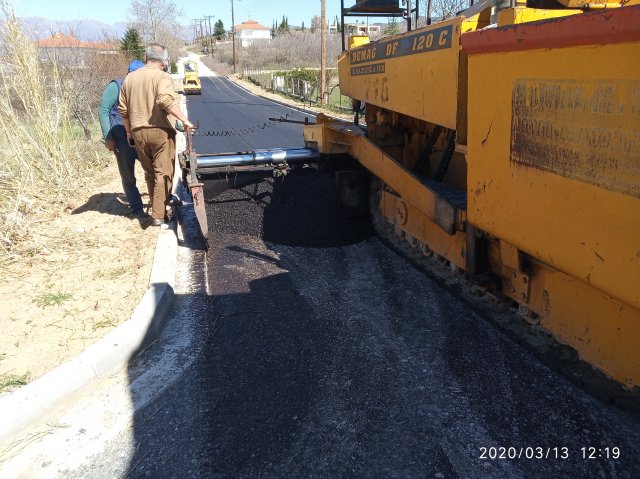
[
  {"x": 362, "y": 29},
  {"x": 249, "y": 31}
]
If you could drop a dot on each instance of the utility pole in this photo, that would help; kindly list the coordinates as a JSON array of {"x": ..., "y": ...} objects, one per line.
[
  {"x": 233, "y": 36},
  {"x": 195, "y": 30},
  {"x": 209, "y": 32},
  {"x": 323, "y": 53}
]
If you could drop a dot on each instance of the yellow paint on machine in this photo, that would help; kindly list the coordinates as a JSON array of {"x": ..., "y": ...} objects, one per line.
[
  {"x": 415, "y": 73},
  {"x": 603, "y": 330},
  {"x": 336, "y": 137},
  {"x": 512, "y": 16},
  {"x": 413, "y": 222},
  {"x": 554, "y": 169},
  {"x": 553, "y": 158},
  {"x": 358, "y": 40}
]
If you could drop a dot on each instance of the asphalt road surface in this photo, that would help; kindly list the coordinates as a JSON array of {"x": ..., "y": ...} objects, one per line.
[
  {"x": 228, "y": 110},
  {"x": 320, "y": 353}
]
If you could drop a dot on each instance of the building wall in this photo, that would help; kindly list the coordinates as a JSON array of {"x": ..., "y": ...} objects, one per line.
[{"x": 247, "y": 36}]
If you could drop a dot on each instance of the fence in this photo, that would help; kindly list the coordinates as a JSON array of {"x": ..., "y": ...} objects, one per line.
[{"x": 303, "y": 90}]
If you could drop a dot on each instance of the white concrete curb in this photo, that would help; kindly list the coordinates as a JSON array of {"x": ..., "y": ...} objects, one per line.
[{"x": 30, "y": 404}]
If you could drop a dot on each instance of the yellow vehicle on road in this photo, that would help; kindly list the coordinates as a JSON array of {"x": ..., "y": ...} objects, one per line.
[{"x": 191, "y": 82}]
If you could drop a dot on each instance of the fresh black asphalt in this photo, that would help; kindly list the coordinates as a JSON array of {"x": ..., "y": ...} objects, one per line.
[
  {"x": 227, "y": 110},
  {"x": 323, "y": 354}
]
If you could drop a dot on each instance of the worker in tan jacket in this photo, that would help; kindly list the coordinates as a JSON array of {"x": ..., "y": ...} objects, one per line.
[{"x": 149, "y": 108}]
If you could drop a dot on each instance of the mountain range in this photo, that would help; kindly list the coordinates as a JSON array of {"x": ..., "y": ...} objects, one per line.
[{"x": 87, "y": 30}]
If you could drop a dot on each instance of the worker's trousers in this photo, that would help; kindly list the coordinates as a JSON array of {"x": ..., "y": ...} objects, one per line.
[
  {"x": 156, "y": 151},
  {"x": 126, "y": 158}
]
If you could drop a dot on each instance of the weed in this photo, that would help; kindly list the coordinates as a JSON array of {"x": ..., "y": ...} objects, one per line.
[
  {"x": 13, "y": 380},
  {"x": 103, "y": 324},
  {"x": 116, "y": 273},
  {"x": 52, "y": 299}
]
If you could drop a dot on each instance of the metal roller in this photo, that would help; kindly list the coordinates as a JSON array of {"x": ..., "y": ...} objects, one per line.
[{"x": 272, "y": 156}]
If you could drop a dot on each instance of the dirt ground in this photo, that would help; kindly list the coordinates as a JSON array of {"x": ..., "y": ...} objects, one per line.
[{"x": 90, "y": 267}]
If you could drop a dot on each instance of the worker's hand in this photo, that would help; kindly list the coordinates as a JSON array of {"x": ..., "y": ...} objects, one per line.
[
  {"x": 109, "y": 144},
  {"x": 188, "y": 124},
  {"x": 130, "y": 140}
]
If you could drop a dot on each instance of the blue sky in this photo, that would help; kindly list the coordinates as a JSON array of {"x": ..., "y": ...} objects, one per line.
[{"x": 113, "y": 11}]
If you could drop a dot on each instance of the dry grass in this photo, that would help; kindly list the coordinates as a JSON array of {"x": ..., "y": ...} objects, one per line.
[
  {"x": 48, "y": 116},
  {"x": 283, "y": 52}
]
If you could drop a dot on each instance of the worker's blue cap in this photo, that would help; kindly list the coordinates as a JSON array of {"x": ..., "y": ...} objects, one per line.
[{"x": 134, "y": 65}]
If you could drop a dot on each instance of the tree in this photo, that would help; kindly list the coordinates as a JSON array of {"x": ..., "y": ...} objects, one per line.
[
  {"x": 218, "y": 29},
  {"x": 283, "y": 27},
  {"x": 316, "y": 22},
  {"x": 338, "y": 24},
  {"x": 131, "y": 44},
  {"x": 302, "y": 28},
  {"x": 392, "y": 28},
  {"x": 442, "y": 9},
  {"x": 157, "y": 21}
]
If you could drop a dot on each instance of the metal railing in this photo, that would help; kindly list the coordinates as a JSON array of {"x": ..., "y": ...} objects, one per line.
[{"x": 299, "y": 89}]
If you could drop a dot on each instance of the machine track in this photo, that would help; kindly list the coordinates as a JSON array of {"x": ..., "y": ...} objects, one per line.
[{"x": 500, "y": 312}]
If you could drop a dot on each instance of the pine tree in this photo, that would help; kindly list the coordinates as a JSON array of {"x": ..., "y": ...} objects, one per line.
[
  {"x": 302, "y": 26},
  {"x": 218, "y": 29},
  {"x": 283, "y": 27},
  {"x": 132, "y": 44}
]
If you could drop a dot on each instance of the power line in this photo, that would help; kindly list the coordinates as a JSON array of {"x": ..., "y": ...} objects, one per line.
[{"x": 256, "y": 7}]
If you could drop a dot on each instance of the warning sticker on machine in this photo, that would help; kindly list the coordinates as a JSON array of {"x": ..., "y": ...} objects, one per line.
[
  {"x": 367, "y": 69},
  {"x": 587, "y": 131}
]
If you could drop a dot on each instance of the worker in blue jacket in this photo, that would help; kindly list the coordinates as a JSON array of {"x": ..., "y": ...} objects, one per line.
[{"x": 115, "y": 139}]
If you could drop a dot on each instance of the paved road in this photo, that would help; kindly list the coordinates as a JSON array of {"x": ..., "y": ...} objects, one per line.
[
  {"x": 225, "y": 108},
  {"x": 317, "y": 352}
]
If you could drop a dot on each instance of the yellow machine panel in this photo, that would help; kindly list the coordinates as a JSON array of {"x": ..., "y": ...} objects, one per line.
[
  {"x": 554, "y": 158},
  {"x": 554, "y": 169},
  {"x": 511, "y": 16},
  {"x": 357, "y": 40},
  {"x": 415, "y": 74}
]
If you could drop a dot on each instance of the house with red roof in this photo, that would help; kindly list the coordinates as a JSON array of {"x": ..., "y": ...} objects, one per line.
[
  {"x": 251, "y": 31},
  {"x": 72, "y": 51}
]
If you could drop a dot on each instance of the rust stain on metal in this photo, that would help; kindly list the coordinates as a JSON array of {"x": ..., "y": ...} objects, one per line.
[{"x": 588, "y": 131}]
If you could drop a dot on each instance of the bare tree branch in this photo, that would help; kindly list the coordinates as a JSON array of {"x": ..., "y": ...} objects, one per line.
[{"x": 158, "y": 21}]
